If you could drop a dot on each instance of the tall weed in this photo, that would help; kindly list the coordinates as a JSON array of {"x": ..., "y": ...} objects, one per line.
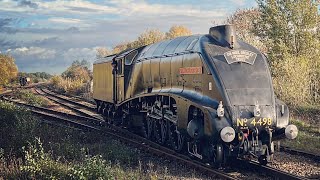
[{"x": 68, "y": 85}]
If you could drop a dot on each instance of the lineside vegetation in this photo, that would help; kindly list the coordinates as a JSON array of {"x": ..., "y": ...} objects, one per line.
[{"x": 30, "y": 149}]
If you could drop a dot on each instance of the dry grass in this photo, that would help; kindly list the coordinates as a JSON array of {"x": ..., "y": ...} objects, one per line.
[{"x": 69, "y": 86}]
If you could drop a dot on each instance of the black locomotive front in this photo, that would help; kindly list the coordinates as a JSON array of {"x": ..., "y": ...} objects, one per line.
[{"x": 256, "y": 117}]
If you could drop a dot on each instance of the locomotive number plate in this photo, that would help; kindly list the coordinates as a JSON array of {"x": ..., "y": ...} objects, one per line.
[
  {"x": 244, "y": 122},
  {"x": 190, "y": 70}
]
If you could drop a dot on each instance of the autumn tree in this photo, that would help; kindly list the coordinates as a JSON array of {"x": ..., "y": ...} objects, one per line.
[
  {"x": 122, "y": 46},
  {"x": 102, "y": 52},
  {"x": 78, "y": 71},
  {"x": 290, "y": 30},
  {"x": 148, "y": 37},
  {"x": 8, "y": 69},
  {"x": 243, "y": 21},
  {"x": 145, "y": 38},
  {"x": 176, "y": 31}
]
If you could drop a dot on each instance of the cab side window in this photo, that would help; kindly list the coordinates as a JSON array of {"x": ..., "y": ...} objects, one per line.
[
  {"x": 130, "y": 57},
  {"x": 120, "y": 64}
]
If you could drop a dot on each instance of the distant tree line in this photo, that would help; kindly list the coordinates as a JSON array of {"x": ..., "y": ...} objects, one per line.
[{"x": 36, "y": 77}]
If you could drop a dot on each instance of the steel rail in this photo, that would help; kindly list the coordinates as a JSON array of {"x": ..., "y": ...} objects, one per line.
[
  {"x": 58, "y": 101},
  {"x": 54, "y": 123},
  {"x": 94, "y": 121},
  {"x": 73, "y": 96},
  {"x": 275, "y": 173},
  {"x": 64, "y": 120},
  {"x": 293, "y": 151}
]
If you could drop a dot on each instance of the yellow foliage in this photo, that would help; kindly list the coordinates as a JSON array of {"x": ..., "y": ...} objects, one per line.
[
  {"x": 149, "y": 37},
  {"x": 176, "y": 31},
  {"x": 8, "y": 69},
  {"x": 291, "y": 79},
  {"x": 121, "y": 47},
  {"x": 68, "y": 85},
  {"x": 243, "y": 21},
  {"x": 78, "y": 73},
  {"x": 102, "y": 52}
]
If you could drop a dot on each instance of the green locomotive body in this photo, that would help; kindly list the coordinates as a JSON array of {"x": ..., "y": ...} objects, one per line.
[{"x": 210, "y": 95}]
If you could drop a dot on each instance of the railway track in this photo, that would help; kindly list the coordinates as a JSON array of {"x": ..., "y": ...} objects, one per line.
[
  {"x": 267, "y": 170},
  {"x": 92, "y": 108},
  {"x": 74, "y": 121},
  {"x": 69, "y": 118},
  {"x": 275, "y": 173},
  {"x": 252, "y": 165},
  {"x": 282, "y": 148},
  {"x": 85, "y": 105},
  {"x": 300, "y": 152},
  {"x": 79, "y": 108},
  {"x": 144, "y": 144}
]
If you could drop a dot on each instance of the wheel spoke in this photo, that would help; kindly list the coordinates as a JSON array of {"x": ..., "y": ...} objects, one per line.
[
  {"x": 156, "y": 131},
  {"x": 179, "y": 140},
  {"x": 163, "y": 131},
  {"x": 149, "y": 128},
  {"x": 176, "y": 139}
]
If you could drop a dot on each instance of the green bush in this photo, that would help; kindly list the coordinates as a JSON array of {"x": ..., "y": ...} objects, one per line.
[
  {"x": 92, "y": 168},
  {"x": 40, "y": 165},
  {"x": 114, "y": 151},
  {"x": 17, "y": 127}
]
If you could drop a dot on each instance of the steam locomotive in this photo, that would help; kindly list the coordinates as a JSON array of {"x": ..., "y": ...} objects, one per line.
[
  {"x": 210, "y": 96},
  {"x": 24, "y": 80}
]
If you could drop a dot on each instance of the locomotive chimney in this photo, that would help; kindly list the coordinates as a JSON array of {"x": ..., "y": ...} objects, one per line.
[{"x": 225, "y": 35}]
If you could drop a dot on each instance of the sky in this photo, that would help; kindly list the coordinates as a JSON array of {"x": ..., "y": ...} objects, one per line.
[{"x": 48, "y": 35}]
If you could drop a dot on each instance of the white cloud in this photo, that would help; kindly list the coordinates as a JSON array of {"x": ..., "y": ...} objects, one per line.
[
  {"x": 65, "y": 20},
  {"x": 130, "y": 8},
  {"x": 35, "y": 52},
  {"x": 61, "y": 5},
  {"x": 79, "y": 54},
  {"x": 115, "y": 7},
  {"x": 239, "y": 2}
]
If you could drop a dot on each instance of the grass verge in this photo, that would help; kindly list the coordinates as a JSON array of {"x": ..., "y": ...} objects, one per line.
[
  {"x": 308, "y": 138},
  {"x": 31, "y": 98}
]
